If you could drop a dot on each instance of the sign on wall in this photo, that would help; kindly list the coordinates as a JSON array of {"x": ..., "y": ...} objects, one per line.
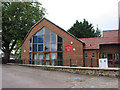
[
  {"x": 67, "y": 48},
  {"x": 103, "y": 63}
]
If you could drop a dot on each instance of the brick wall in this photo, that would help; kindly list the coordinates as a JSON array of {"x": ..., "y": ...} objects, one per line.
[
  {"x": 76, "y": 56},
  {"x": 89, "y": 60},
  {"x": 112, "y": 48},
  {"x": 111, "y": 33}
]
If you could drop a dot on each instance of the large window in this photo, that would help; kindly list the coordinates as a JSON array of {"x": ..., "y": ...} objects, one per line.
[
  {"x": 46, "y": 40},
  {"x": 46, "y": 47}
]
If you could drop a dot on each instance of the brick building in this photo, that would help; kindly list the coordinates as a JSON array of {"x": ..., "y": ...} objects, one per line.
[
  {"x": 107, "y": 46},
  {"x": 48, "y": 44}
]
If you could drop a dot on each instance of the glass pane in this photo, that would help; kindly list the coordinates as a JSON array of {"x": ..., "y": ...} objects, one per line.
[
  {"x": 110, "y": 57},
  {"x": 47, "y": 62},
  {"x": 30, "y": 47},
  {"x": 53, "y": 62},
  {"x": 35, "y": 56},
  {"x": 53, "y": 47},
  {"x": 93, "y": 54},
  {"x": 86, "y": 55},
  {"x": 53, "y": 37},
  {"x": 35, "y": 34},
  {"x": 53, "y": 56},
  {"x": 40, "y": 39},
  {"x": 47, "y": 56},
  {"x": 60, "y": 59},
  {"x": 30, "y": 56},
  {"x": 34, "y": 39},
  {"x": 116, "y": 56},
  {"x": 47, "y": 38},
  {"x": 30, "y": 40},
  {"x": 34, "y": 47},
  {"x": 47, "y": 31},
  {"x": 60, "y": 56},
  {"x": 40, "y": 47},
  {"x": 47, "y": 47},
  {"x": 59, "y": 47},
  {"x": 40, "y": 56},
  {"x": 40, "y": 32},
  {"x": 59, "y": 39}
]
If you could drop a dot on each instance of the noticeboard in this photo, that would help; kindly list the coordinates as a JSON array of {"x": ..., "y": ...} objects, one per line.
[
  {"x": 103, "y": 63},
  {"x": 67, "y": 48}
]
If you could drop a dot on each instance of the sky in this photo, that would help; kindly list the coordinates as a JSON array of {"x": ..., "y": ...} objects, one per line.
[{"x": 64, "y": 13}]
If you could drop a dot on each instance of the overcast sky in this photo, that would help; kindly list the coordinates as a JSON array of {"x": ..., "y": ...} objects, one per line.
[{"x": 64, "y": 13}]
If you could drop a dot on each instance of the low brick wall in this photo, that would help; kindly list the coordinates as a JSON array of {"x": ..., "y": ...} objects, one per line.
[{"x": 110, "y": 72}]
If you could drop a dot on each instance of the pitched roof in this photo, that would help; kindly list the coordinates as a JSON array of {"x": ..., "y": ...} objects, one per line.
[
  {"x": 53, "y": 24},
  {"x": 94, "y": 43}
]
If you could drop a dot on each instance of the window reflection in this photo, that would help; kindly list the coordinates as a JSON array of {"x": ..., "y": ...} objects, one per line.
[
  {"x": 40, "y": 39},
  {"x": 53, "y": 57},
  {"x": 40, "y": 58},
  {"x": 53, "y": 37},
  {"x": 47, "y": 38},
  {"x": 53, "y": 47},
  {"x": 47, "y": 31},
  {"x": 35, "y": 58},
  {"x": 59, "y": 47},
  {"x": 59, "y": 39},
  {"x": 60, "y": 59},
  {"x": 40, "y": 32},
  {"x": 34, "y": 47},
  {"x": 45, "y": 45},
  {"x": 40, "y": 47},
  {"x": 34, "y": 39}
]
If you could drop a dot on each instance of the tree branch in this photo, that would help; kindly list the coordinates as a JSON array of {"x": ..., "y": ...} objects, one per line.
[
  {"x": 13, "y": 45},
  {"x": 3, "y": 49}
]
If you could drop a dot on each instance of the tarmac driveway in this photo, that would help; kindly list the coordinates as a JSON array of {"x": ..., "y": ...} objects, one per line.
[{"x": 26, "y": 77}]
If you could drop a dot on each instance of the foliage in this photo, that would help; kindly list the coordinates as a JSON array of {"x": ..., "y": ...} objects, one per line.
[
  {"x": 17, "y": 19},
  {"x": 49, "y": 68},
  {"x": 84, "y": 30}
]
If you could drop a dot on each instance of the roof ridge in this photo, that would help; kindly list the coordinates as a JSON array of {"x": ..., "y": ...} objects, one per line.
[{"x": 51, "y": 23}]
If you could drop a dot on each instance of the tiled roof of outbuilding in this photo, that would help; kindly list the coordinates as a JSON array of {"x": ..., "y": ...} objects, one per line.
[{"x": 94, "y": 43}]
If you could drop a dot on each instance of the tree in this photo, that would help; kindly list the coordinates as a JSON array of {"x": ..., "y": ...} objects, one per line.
[
  {"x": 83, "y": 30},
  {"x": 17, "y": 19}
]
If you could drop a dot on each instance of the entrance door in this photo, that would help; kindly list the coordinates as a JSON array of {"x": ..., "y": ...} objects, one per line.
[
  {"x": 47, "y": 58},
  {"x": 110, "y": 60},
  {"x": 40, "y": 59},
  {"x": 53, "y": 59}
]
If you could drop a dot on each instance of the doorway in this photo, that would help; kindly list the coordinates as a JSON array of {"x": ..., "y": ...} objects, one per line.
[{"x": 47, "y": 58}]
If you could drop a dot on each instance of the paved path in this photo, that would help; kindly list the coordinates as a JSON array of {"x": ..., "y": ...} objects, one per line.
[{"x": 25, "y": 77}]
